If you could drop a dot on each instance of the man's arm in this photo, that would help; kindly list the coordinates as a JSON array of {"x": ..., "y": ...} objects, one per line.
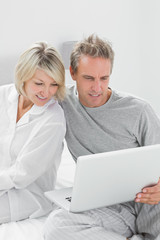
[{"x": 148, "y": 132}]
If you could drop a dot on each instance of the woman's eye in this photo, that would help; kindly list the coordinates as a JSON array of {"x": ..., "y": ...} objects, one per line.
[
  {"x": 38, "y": 83},
  {"x": 54, "y": 84}
]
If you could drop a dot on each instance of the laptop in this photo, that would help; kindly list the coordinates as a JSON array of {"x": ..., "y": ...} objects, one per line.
[{"x": 109, "y": 178}]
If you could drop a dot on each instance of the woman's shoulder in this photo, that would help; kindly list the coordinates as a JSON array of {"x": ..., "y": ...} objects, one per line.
[
  {"x": 7, "y": 90},
  {"x": 55, "y": 112}
]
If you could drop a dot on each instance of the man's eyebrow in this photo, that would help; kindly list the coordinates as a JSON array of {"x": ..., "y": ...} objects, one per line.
[{"x": 87, "y": 76}]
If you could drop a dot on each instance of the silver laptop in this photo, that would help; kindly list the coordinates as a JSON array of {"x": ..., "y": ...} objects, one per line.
[{"x": 109, "y": 178}]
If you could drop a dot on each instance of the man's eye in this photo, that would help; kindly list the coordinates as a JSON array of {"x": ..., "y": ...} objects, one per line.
[
  {"x": 89, "y": 78},
  {"x": 105, "y": 78}
]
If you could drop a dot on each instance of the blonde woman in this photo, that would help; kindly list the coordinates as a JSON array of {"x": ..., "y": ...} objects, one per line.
[{"x": 32, "y": 129}]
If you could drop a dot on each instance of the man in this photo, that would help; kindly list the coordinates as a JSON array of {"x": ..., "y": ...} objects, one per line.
[{"x": 100, "y": 119}]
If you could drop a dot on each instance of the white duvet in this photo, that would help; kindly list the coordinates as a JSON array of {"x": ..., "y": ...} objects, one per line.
[
  {"x": 32, "y": 229},
  {"x": 29, "y": 229}
]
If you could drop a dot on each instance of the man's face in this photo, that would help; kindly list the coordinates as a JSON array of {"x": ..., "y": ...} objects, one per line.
[{"x": 92, "y": 78}]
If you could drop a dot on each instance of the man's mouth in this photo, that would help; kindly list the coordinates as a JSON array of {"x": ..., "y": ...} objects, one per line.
[{"x": 94, "y": 95}]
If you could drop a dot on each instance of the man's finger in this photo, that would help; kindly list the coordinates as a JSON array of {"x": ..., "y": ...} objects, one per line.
[
  {"x": 147, "y": 201},
  {"x": 151, "y": 189}
]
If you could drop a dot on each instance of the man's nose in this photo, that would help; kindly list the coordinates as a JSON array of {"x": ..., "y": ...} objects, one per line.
[{"x": 96, "y": 86}]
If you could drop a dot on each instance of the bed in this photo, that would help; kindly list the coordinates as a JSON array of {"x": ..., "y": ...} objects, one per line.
[{"x": 32, "y": 229}]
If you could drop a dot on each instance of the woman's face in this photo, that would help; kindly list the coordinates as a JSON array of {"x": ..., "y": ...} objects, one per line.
[{"x": 40, "y": 88}]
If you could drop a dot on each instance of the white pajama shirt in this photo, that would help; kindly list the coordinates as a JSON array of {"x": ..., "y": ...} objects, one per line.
[{"x": 30, "y": 153}]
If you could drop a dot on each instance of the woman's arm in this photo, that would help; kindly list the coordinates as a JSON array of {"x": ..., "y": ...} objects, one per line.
[{"x": 42, "y": 153}]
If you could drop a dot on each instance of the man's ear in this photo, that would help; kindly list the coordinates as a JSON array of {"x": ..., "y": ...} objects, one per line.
[{"x": 72, "y": 73}]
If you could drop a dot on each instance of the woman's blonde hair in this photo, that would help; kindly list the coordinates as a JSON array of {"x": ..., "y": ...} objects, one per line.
[{"x": 40, "y": 56}]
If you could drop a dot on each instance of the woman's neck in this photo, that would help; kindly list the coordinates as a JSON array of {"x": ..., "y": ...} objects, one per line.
[{"x": 24, "y": 105}]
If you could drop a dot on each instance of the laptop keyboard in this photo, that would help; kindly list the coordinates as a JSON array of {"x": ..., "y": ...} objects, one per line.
[{"x": 68, "y": 199}]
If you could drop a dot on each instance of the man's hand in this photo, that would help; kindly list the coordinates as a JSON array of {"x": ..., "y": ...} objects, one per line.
[{"x": 149, "y": 195}]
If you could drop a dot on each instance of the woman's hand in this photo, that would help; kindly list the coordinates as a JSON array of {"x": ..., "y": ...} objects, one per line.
[{"x": 149, "y": 195}]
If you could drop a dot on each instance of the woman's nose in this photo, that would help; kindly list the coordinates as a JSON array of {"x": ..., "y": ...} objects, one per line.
[{"x": 45, "y": 92}]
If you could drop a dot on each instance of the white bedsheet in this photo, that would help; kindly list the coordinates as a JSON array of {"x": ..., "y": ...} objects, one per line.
[
  {"x": 32, "y": 229},
  {"x": 29, "y": 229}
]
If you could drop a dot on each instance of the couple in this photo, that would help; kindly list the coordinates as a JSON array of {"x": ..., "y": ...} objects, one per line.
[{"x": 98, "y": 119}]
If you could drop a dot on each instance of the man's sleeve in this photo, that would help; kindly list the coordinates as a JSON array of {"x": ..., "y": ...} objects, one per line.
[{"x": 147, "y": 127}]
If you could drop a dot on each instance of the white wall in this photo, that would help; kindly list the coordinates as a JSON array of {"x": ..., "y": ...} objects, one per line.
[{"x": 131, "y": 25}]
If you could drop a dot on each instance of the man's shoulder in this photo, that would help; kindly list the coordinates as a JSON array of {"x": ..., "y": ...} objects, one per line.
[
  {"x": 71, "y": 95},
  {"x": 126, "y": 98},
  {"x": 71, "y": 89}
]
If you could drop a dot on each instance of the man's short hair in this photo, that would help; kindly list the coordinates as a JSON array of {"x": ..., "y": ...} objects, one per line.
[{"x": 92, "y": 46}]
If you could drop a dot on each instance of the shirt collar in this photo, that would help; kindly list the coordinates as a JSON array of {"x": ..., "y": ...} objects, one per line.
[
  {"x": 13, "y": 97},
  {"x": 35, "y": 110},
  {"x": 38, "y": 110}
]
